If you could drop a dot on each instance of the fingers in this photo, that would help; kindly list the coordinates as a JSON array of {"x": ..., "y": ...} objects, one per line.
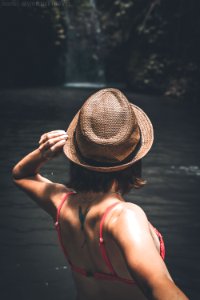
[
  {"x": 53, "y": 151},
  {"x": 52, "y": 134},
  {"x": 57, "y": 146},
  {"x": 51, "y": 143}
]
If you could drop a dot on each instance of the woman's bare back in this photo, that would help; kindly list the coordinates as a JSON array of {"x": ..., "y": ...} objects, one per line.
[{"x": 79, "y": 220}]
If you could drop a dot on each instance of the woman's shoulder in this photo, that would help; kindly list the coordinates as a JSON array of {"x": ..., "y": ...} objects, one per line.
[
  {"x": 126, "y": 215},
  {"x": 129, "y": 209},
  {"x": 132, "y": 208}
]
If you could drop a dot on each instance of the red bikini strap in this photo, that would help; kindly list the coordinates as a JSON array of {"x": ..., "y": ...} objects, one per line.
[
  {"x": 61, "y": 204},
  {"x": 101, "y": 240},
  {"x": 162, "y": 245},
  {"x": 57, "y": 225}
]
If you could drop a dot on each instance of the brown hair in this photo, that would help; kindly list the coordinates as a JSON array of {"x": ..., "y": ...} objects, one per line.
[{"x": 84, "y": 180}]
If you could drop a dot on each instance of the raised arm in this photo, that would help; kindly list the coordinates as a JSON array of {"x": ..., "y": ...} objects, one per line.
[
  {"x": 130, "y": 230},
  {"x": 26, "y": 172}
]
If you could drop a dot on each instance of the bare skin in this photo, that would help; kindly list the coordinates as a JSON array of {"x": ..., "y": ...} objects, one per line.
[{"x": 131, "y": 242}]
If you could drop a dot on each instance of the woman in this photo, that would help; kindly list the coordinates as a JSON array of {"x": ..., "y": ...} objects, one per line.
[{"x": 113, "y": 251}]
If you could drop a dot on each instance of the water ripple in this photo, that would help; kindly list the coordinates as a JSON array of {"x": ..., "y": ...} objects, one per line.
[{"x": 188, "y": 170}]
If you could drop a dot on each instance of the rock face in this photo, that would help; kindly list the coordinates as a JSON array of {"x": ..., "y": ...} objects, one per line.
[{"x": 150, "y": 46}]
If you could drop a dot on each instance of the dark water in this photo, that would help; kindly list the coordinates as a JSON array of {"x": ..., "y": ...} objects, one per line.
[{"x": 32, "y": 265}]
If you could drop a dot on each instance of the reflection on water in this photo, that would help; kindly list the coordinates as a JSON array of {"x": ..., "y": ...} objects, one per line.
[
  {"x": 188, "y": 170},
  {"x": 31, "y": 260}
]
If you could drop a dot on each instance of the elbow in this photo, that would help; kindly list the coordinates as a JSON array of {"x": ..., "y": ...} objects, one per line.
[
  {"x": 17, "y": 176},
  {"x": 16, "y": 173}
]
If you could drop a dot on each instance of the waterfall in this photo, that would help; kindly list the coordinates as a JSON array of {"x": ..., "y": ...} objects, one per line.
[{"x": 84, "y": 58}]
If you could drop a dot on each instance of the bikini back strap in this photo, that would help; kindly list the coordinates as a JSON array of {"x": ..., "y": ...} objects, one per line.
[
  {"x": 60, "y": 206},
  {"x": 57, "y": 225},
  {"x": 101, "y": 240}
]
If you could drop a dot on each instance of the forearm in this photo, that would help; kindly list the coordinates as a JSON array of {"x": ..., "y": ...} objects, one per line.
[
  {"x": 29, "y": 165},
  {"x": 166, "y": 291}
]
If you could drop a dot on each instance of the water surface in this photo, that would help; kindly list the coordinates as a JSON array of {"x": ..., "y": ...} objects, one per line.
[{"x": 32, "y": 265}]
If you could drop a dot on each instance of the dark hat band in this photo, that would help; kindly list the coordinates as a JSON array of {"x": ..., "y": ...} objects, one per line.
[{"x": 95, "y": 163}]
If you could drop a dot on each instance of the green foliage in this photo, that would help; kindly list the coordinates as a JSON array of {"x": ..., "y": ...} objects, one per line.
[{"x": 155, "y": 43}]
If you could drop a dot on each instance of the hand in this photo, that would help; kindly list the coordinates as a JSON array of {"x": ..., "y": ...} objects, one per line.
[{"x": 51, "y": 143}]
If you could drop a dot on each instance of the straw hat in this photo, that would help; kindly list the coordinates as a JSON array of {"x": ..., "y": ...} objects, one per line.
[{"x": 108, "y": 133}]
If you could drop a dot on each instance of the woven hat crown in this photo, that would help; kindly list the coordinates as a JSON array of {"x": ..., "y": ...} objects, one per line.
[{"x": 107, "y": 129}]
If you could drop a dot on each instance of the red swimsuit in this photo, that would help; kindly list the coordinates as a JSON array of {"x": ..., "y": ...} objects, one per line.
[{"x": 100, "y": 275}]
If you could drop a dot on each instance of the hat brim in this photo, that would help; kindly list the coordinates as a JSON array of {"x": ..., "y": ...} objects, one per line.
[{"x": 147, "y": 137}]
